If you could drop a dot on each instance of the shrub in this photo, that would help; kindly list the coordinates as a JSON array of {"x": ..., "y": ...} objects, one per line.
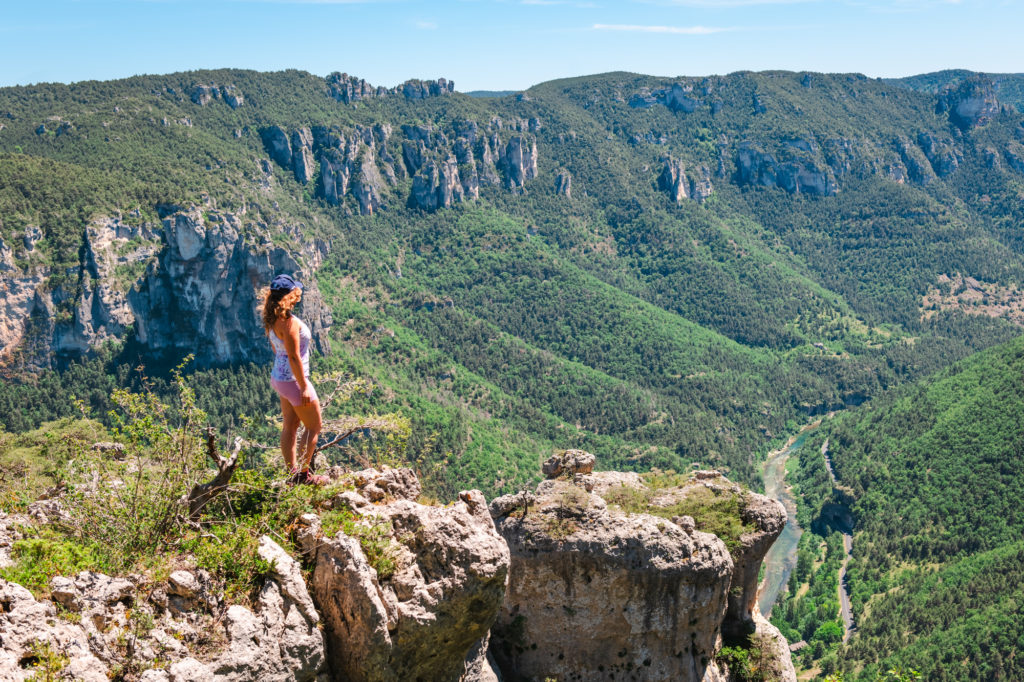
[{"x": 38, "y": 559}]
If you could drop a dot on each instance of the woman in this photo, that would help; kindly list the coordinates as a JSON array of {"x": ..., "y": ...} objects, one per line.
[{"x": 290, "y": 339}]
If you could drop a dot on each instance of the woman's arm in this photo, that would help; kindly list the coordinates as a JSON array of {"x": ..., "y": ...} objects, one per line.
[{"x": 291, "y": 340}]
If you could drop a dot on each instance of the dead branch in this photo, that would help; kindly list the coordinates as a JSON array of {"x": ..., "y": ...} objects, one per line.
[
  {"x": 203, "y": 493},
  {"x": 345, "y": 427}
]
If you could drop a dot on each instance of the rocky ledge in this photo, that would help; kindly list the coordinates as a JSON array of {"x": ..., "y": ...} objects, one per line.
[
  {"x": 601, "y": 591},
  {"x": 592, "y": 576}
]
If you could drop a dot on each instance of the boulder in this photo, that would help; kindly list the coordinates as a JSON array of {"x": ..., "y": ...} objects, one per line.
[
  {"x": 428, "y": 616},
  {"x": 569, "y": 463}
]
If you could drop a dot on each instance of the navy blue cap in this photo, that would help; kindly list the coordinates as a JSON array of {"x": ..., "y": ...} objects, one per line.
[{"x": 284, "y": 283}]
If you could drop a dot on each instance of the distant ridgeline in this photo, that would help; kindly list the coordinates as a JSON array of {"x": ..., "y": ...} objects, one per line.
[{"x": 665, "y": 272}]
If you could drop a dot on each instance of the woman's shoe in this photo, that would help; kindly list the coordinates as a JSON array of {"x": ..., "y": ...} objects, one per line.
[{"x": 307, "y": 478}]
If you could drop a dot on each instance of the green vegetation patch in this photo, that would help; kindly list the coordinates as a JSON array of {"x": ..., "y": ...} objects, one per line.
[{"x": 713, "y": 510}]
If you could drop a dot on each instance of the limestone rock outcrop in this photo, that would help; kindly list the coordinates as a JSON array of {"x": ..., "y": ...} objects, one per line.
[
  {"x": 428, "y": 617},
  {"x": 678, "y": 97},
  {"x": 187, "y": 284},
  {"x": 596, "y": 594},
  {"x": 801, "y": 175},
  {"x": 569, "y": 463},
  {"x": 918, "y": 168},
  {"x": 202, "y": 94},
  {"x": 277, "y": 641},
  {"x": 941, "y": 153},
  {"x": 349, "y": 89},
  {"x": 971, "y": 103},
  {"x": 200, "y": 293},
  {"x": 518, "y": 160},
  {"x": 563, "y": 183},
  {"x": 674, "y": 182},
  {"x": 447, "y": 166}
]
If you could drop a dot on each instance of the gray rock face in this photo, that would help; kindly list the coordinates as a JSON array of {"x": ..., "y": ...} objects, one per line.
[
  {"x": 281, "y": 640},
  {"x": 595, "y": 594},
  {"x": 519, "y": 161},
  {"x": 437, "y": 185},
  {"x": 349, "y": 89},
  {"x": 919, "y": 170},
  {"x": 114, "y": 256},
  {"x": 679, "y": 97},
  {"x": 199, "y": 294},
  {"x": 275, "y": 139},
  {"x": 23, "y": 300},
  {"x": 673, "y": 180},
  {"x": 971, "y": 104},
  {"x": 799, "y": 176},
  {"x": 941, "y": 153},
  {"x": 426, "y": 619},
  {"x": 446, "y": 168},
  {"x": 563, "y": 184},
  {"x": 203, "y": 94},
  {"x": 302, "y": 155}
]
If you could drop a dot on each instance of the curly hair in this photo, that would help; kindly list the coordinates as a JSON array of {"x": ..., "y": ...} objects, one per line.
[{"x": 277, "y": 305}]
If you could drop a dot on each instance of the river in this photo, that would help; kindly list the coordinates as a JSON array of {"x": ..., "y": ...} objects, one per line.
[{"x": 781, "y": 558}]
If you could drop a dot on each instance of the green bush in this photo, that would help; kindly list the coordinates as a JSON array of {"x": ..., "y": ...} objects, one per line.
[{"x": 38, "y": 559}]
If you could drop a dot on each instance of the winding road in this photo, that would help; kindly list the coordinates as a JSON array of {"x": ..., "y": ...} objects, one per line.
[
  {"x": 781, "y": 558},
  {"x": 844, "y": 589}
]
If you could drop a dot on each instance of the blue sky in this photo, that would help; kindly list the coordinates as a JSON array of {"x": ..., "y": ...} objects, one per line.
[{"x": 504, "y": 44}]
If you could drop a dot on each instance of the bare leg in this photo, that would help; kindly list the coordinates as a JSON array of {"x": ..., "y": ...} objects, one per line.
[
  {"x": 311, "y": 419},
  {"x": 289, "y": 426}
]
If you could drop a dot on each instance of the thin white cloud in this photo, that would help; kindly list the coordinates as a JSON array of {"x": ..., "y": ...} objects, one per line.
[
  {"x": 426, "y": 25},
  {"x": 679, "y": 30}
]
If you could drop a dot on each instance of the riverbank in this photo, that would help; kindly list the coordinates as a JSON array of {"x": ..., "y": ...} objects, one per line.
[{"x": 781, "y": 558}]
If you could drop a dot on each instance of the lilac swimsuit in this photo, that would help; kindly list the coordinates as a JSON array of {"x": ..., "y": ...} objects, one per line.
[{"x": 281, "y": 377}]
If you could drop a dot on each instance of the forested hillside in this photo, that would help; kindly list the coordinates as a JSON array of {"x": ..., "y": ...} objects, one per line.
[
  {"x": 933, "y": 472},
  {"x": 663, "y": 271}
]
